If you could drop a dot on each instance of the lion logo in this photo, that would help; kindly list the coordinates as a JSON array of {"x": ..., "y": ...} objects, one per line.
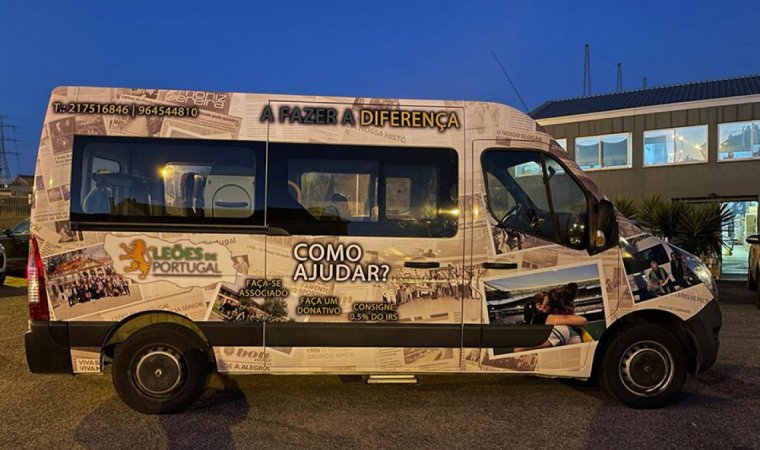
[{"x": 139, "y": 253}]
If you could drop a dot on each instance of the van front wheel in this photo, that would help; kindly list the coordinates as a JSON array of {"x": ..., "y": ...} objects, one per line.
[
  {"x": 644, "y": 366},
  {"x": 160, "y": 369}
]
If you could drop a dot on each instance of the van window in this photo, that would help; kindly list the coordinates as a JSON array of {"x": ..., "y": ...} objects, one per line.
[
  {"x": 102, "y": 164},
  {"x": 570, "y": 204},
  {"x": 335, "y": 189},
  {"x": 180, "y": 181},
  {"x": 362, "y": 190},
  {"x": 533, "y": 193},
  {"x": 411, "y": 192}
]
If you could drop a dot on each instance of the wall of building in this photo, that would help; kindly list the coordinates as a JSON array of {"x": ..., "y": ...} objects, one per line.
[{"x": 737, "y": 178}]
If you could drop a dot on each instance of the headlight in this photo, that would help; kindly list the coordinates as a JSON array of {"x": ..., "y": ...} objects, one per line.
[{"x": 704, "y": 275}]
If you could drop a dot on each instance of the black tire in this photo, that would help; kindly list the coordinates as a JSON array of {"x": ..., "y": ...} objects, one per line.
[
  {"x": 174, "y": 365},
  {"x": 644, "y": 366},
  {"x": 2, "y": 279}
]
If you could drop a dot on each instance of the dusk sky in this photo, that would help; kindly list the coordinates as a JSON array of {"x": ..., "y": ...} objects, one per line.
[{"x": 406, "y": 49}]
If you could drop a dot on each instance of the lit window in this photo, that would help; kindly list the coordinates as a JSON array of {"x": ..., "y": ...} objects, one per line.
[
  {"x": 675, "y": 146},
  {"x": 603, "y": 152},
  {"x": 738, "y": 140}
]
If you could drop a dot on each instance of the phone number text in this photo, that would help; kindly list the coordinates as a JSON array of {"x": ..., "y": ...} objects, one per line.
[{"x": 125, "y": 109}]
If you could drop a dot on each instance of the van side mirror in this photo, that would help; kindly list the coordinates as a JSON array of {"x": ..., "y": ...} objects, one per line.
[
  {"x": 7, "y": 232},
  {"x": 605, "y": 230},
  {"x": 754, "y": 239}
]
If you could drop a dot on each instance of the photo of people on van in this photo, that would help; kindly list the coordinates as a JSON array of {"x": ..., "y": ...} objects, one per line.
[
  {"x": 229, "y": 306},
  {"x": 570, "y": 299},
  {"x": 81, "y": 278},
  {"x": 656, "y": 268},
  {"x": 451, "y": 282},
  {"x": 530, "y": 298},
  {"x": 63, "y": 228}
]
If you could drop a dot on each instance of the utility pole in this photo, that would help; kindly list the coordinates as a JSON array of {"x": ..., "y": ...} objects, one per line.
[
  {"x": 644, "y": 83},
  {"x": 587, "y": 73},
  {"x": 5, "y": 169},
  {"x": 619, "y": 77}
]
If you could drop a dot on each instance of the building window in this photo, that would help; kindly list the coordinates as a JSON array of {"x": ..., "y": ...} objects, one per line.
[
  {"x": 738, "y": 140},
  {"x": 562, "y": 143},
  {"x": 603, "y": 152},
  {"x": 675, "y": 146}
]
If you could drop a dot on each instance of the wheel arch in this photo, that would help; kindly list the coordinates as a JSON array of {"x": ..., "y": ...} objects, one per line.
[
  {"x": 658, "y": 317},
  {"x": 131, "y": 324}
]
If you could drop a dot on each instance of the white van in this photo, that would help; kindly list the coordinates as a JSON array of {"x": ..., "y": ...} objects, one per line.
[{"x": 179, "y": 232}]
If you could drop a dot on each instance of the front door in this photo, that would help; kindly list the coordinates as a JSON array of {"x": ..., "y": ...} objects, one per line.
[
  {"x": 370, "y": 249},
  {"x": 541, "y": 288}
]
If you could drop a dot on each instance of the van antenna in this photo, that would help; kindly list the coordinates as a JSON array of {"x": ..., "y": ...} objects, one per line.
[{"x": 525, "y": 107}]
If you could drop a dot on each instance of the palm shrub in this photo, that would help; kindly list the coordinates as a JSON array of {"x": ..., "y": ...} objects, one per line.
[
  {"x": 660, "y": 216},
  {"x": 627, "y": 207},
  {"x": 700, "y": 230}
]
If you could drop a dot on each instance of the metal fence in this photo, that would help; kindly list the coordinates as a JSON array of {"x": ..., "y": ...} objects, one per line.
[{"x": 15, "y": 197}]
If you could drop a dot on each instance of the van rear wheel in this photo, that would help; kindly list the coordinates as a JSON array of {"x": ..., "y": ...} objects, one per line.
[
  {"x": 644, "y": 366},
  {"x": 160, "y": 369}
]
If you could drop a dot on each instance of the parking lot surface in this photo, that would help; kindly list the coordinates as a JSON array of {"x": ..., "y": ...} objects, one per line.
[{"x": 720, "y": 408}]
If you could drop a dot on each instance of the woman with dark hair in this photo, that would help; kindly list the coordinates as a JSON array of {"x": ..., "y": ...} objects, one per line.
[
  {"x": 534, "y": 312},
  {"x": 559, "y": 309}
]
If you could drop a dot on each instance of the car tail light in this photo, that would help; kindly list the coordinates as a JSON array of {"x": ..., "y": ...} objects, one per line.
[{"x": 35, "y": 276}]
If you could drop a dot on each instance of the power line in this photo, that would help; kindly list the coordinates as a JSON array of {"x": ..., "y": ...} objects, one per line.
[
  {"x": 525, "y": 107},
  {"x": 5, "y": 169}
]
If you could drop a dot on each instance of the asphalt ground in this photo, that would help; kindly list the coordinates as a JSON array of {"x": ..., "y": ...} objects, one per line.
[{"x": 719, "y": 409}]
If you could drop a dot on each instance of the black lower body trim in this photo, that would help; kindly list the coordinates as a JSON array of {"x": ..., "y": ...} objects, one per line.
[
  {"x": 704, "y": 328},
  {"x": 308, "y": 334},
  {"x": 47, "y": 347},
  {"x": 48, "y": 343}
]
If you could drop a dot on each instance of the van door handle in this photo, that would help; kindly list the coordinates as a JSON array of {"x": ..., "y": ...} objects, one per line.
[
  {"x": 500, "y": 265},
  {"x": 422, "y": 264}
]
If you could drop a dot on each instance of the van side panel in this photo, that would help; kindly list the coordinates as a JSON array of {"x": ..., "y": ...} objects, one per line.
[{"x": 310, "y": 218}]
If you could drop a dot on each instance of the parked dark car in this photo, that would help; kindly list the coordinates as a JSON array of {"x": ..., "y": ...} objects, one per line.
[
  {"x": 753, "y": 273},
  {"x": 16, "y": 244},
  {"x": 2, "y": 266}
]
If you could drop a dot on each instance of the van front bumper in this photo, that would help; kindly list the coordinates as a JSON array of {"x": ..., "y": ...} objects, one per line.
[
  {"x": 704, "y": 329},
  {"x": 47, "y": 347}
]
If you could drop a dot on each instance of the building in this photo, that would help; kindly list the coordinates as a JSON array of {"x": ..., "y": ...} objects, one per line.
[
  {"x": 692, "y": 141},
  {"x": 15, "y": 197}
]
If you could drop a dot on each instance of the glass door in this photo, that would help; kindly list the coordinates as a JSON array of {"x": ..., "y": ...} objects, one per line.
[{"x": 734, "y": 236}]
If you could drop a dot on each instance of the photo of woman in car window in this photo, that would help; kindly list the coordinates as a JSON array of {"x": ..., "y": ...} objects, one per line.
[{"x": 556, "y": 307}]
